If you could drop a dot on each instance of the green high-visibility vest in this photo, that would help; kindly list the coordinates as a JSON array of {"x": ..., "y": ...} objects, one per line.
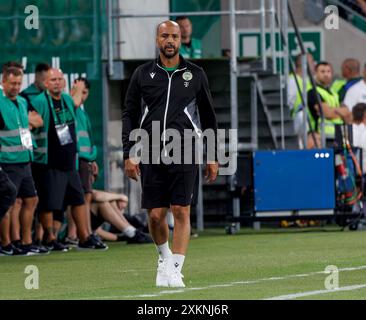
[
  {"x": 298, "y": 101},
  {"x": 194, "y": 51},
  {"x": 332, "y": 99},
  {"x": 88, "y": 151},
  {"x": 15, "y": 119},
  {"x": 337, "y": 85},
  {"x": 42, "y": 104},
  {"x": 31, "y": 92}
]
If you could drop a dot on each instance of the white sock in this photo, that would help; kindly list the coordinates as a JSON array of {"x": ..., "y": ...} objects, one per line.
[
  {"x": 129, "y": 232},
  {"x": 176, "y": 262},
  {"x": 163, "y": 250}
]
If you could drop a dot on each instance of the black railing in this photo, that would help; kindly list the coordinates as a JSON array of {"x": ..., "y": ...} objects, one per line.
[{"x": 312, "y": 81}]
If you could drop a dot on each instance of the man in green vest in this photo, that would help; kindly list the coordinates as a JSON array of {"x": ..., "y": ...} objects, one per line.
[
  {"x": 334, "y": 113},
  {"x": 33, "y": 91},
  {"x": 38, "y": 85},
  {"x": 16, "y": 153},
  {"x": 35, "y": 121},
  {"x": 55, "y": 157},
  {"x": 191, "y": 47},
  {"x": 88, "y": 168},
  {"x": 8, "y": 191}
]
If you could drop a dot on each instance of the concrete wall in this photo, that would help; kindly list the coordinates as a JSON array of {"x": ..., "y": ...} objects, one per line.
[
  {"x": 346, "y": 42},
  {"x": 136, "y": 36}
]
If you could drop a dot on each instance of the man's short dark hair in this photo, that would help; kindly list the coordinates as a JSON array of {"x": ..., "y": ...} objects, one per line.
[
  {"x": 352, "y": 64},
  {"x": 15, "y": 71},
  {"x": 12, "y": 64},
  {"x": 322, "y": 63},
  {"x": 180, "y": 18},
  {"x": 161, "y": 23},
  {"x": 358, "y": 112},
  {"x": 42, "y": 67},
  {"x": 298, "y": 61},
  {"x": 86, "y": 82}
]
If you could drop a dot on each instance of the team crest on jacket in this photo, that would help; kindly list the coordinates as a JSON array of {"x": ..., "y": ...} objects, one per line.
[{"x": 187, "y": 76}]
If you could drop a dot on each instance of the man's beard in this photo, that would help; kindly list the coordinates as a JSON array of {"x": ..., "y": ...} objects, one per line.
[
  {"x": 56, "y": 92},
  {"x": 169, "y": 55},
  {"x": 11, "y": 94}
]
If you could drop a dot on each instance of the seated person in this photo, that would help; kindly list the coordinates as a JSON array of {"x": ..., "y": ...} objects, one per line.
[{"x": 109, "y": 207}]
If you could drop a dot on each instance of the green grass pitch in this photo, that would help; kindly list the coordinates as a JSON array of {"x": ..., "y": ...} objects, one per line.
[{"x": 248, "y": 265}]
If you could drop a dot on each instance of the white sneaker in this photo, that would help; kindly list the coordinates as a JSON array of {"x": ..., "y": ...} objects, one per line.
[
  {"x": 176, "y": 280},
  {"x": 162, "y": 276}
]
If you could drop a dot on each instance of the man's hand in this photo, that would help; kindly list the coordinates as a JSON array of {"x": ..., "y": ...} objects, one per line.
[
  {"x": 35, "y": 120},
  {"x": 345, "y": 114},
  {"x": 211, "y": 172},
  {"x": 132, "y": 169},
  {"x": 328, "y": 112},
  {"x": 335, "y": 113},
  {"x": 77, "y": 87},
  {"x": 77, "y": 92},
  {"x": 121, "y": 204}
]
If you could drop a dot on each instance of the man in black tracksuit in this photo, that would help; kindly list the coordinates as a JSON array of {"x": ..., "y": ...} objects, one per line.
[{"x": 175, "y": 93}]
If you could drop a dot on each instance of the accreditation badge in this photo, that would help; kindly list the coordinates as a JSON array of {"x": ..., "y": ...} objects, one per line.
[
  {"x": 26, "y": 138},
  {"x": 63, "y": 133}
]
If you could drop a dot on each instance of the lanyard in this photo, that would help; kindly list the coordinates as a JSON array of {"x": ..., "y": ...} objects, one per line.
[
  {"x": 17, "y": 112},
  {"x": 55, "y": 115}
]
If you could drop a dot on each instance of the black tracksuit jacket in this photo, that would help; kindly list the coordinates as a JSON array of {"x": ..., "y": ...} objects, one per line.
[{"x": 179, "y": 100}]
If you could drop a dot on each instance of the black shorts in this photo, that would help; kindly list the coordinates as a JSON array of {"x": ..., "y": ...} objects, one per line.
[
  {"x": 196, "y": 191},
  {"x": 86, "y": 175},
  {"x": 21, "y": 176},
  {"x": 57, "y": 189},
  {"x": 8, "y": 193},
  {"x": 166, "y": 185}
]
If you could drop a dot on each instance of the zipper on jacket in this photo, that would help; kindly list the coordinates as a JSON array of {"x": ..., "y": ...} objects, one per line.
[{"x": 167, "y": 104}]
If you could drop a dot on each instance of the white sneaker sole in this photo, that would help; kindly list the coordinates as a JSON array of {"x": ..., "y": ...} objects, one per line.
[
  {"x": 162, "y": 282},
  {"x": 176, "y": 281},
  {"x": 177, "y": 285}
]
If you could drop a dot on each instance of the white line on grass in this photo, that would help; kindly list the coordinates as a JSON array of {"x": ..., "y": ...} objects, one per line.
[
  {"x": 316, "y": 292},
  {"x": 225, "y": 285}
]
